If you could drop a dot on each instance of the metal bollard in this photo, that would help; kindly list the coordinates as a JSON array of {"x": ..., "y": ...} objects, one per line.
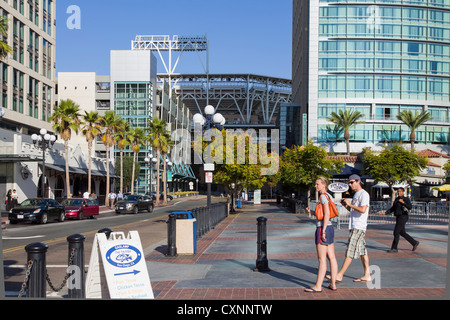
[
  {"x": 37, "y": 278},
  {"x": 171, "y": 236},
  {"x": 76, "y": 258},
  {"x": 262, "y": 264},
  {"x": 106, "y": 231}
]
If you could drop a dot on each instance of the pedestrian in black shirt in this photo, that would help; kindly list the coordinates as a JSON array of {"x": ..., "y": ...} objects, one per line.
[{"x": 400, "y": 208}]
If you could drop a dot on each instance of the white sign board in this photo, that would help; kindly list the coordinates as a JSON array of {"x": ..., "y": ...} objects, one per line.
[
  {"x": 257, "y": 197},
  {"x": 120, "y": 261},
  {"x": 208, "y": 177},
  {"x": 208, "y": 167}
]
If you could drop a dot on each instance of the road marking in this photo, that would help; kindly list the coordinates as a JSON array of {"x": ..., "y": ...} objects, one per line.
[{"x": 21, "y": 238}]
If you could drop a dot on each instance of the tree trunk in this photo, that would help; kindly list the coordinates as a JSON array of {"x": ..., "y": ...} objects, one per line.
[
  {"x": 412, "y": 137},
  {"x": 165, "y": 182},
  {"x": 132, "y": 173},
  {"x": 121, "y": 170},
  {"x": 89, "y": 166},
  {"x": 157, "y": 177},
  {"x": 66, "y": 149},
  {"x": 347, "y": 141},
  {"x": 107, "y": 174}
]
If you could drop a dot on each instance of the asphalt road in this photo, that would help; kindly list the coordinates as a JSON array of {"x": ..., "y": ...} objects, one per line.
[{"x": 152, "y": 229}]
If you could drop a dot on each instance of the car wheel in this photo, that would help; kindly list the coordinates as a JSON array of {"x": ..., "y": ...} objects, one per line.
[
  {"x": 62, "y": 216},
  {"x": 150, "y": 208},
  {"x": 135, "y": 210},
  {"x": 44, "y": 218},
  {"x": 80, "y": 215}
]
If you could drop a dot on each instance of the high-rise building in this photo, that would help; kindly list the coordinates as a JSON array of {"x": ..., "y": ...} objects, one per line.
[
  {"x": 378, "y": 57},
  {"x": 28, "y": 74}
]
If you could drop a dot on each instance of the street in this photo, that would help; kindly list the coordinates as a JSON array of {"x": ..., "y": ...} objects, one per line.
[{"x": 54, "y": 234}]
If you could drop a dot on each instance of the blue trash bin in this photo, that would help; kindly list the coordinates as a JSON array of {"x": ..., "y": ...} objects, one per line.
[
  {"x": 186, "y": 232},
  {"x": 238, "y": 204}
]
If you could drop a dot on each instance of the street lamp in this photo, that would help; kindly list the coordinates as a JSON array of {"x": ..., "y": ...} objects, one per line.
[
  {"x": 43, "y": 141},
  {"x": 232, "y": 198},
  {"x": 211, "y": 120},
  {"x": 2, "y": 113},
  {"x": 150, "y": 161}
]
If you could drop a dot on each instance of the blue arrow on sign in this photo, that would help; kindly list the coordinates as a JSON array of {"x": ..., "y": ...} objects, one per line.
[{"x": 135, "y": 272}]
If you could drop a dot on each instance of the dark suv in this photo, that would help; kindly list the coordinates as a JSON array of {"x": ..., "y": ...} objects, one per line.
[{"x": 134, "y": 203}]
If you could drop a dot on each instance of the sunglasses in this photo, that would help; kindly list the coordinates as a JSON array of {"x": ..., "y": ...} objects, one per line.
[{"x": 351, "y": 182}]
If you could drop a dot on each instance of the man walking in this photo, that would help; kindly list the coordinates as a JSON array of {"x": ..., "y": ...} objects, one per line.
[
  {"x": 400, "y": 208},
  {"x": 359, "y": 212}
]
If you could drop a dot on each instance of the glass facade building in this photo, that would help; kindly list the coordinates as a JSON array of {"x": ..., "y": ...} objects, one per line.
[{"x": 377, "y": 57}]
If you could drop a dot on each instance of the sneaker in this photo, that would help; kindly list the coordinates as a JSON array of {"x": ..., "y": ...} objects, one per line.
[{"x": 392, "y": 250}]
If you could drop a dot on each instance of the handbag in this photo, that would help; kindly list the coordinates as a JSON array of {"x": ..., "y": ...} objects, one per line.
[{"x": 331, "y": 205}]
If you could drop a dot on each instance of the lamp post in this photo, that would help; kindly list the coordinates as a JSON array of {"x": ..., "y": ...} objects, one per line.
[
  {"x": 2, "y": 113},
  {"x": 211, "y": 120},
  {"x": 232, "y": 198},
  {"x": 43, "y": 141},
  {"x": 150, "y": 161}
]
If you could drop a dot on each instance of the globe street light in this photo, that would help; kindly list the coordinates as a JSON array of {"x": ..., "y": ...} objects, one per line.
[
  {"x": 43, "y": 141},
  {"x": 211, "y": 120}
]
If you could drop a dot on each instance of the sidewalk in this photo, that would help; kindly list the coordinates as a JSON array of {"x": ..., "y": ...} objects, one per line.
[{"x": 222, "y": 267}]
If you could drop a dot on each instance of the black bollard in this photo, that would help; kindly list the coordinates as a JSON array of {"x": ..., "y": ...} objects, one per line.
[
  {"x": 37, "y": 279},
  {"x": 106, "y": 231},
  {"x": 171, "y": 236},
  {"x": 76, "y": 289},
  {"x": 262, "y": 264}
]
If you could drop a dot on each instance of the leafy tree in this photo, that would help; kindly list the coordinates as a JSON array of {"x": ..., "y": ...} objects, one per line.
[
  {"x": 157, "y": 139},
  {"x": 91, "y": 128},
  {"x": 4, "y": 47},
  {"x": 345, "y": 120},
  {"x": 393, "y": 165},
  {"x": 301, "y": 165},
  {"x": 413, "y": 122},
  {"x": 66, "y": 118},
  {"x": 137, "y": 139},
  {"x": 110, "y": 123},
  {"x": 127, "y": 174},
  {"x": 122, "y": 142}
]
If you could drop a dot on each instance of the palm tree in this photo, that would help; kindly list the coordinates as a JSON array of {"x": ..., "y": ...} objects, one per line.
[
  {"x": 156, "y": 129},
  {"x": 4, "y": 47},
  {"x": 413, "y": 122},
  {"x": 122, "y": 142},
  {"x": 66, "y": 118},
  {"x": 137, "y": 139},
  {"x": 110, "y": 123},
  {"x": 346, "y": 119},
  {"x": 166, "y": 145},
  {"x": 91, "y": 128}
]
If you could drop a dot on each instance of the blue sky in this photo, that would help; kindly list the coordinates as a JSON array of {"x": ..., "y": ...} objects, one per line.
[{"x": 245, "y": 36}]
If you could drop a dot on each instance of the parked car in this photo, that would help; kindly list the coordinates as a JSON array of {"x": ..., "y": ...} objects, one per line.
[
  {"x": 37, "y": 210},
  {"x": 134, "y": 203},
  {"x": 161, "y": 196},
  {"x": 80, "y": 208}
]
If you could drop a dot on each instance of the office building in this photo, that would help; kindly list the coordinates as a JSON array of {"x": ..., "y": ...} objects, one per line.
[{"x": 377, "y": 57}]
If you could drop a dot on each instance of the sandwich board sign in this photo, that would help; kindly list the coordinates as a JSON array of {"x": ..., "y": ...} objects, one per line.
[{"x": 117, "y": 268}]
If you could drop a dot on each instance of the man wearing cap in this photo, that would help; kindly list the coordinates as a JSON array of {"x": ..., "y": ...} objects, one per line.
[{"x": 359, "y": 212}]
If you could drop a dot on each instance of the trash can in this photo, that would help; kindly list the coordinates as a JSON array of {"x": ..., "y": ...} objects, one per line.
[
  {"x": 238, "y": 204},
  {"x": 186, "y": 232}
]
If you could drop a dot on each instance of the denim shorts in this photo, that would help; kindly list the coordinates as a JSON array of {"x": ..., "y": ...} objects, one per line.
[{"x": 329, "y": 235}]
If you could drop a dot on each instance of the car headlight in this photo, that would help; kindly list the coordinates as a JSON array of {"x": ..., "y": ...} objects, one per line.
[
  {"x": 37, "y": 211},
  {"x": 129, "y": 206}
]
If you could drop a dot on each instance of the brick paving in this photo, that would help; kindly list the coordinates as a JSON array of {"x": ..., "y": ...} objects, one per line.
[{"x": 227, "y": 255}]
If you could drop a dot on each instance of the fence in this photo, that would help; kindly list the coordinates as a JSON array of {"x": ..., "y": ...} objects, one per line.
[
  {"x": 209, "y": 217},
  {"x": 421, "y": 213}
]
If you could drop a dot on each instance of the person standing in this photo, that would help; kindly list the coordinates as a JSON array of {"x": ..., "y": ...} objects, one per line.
[
  {"x": 400, "y": 208},
  {"x": 111, "y": 198},
  {"x": 14, "y": 198},
  {"x": 8, "y": 200},
  {"x": 324, "y": 239},
  {"x": 359, "y": 212},
  {"x": 120, "y": 196}
]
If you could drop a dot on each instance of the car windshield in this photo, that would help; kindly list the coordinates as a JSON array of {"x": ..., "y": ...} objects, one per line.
[
  {"x": 72, "y": 202},
  {"x": 131, "y": 198},
  {"x": 33, "y": 202}
]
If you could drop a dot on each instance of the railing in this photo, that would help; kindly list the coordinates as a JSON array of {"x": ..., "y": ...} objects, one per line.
[
  {"x": 209, "y": 217},
  {"x": 421, "y": 213}
]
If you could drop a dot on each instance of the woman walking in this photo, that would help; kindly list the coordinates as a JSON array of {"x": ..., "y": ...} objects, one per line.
[{"x": 324, "y": 239}]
